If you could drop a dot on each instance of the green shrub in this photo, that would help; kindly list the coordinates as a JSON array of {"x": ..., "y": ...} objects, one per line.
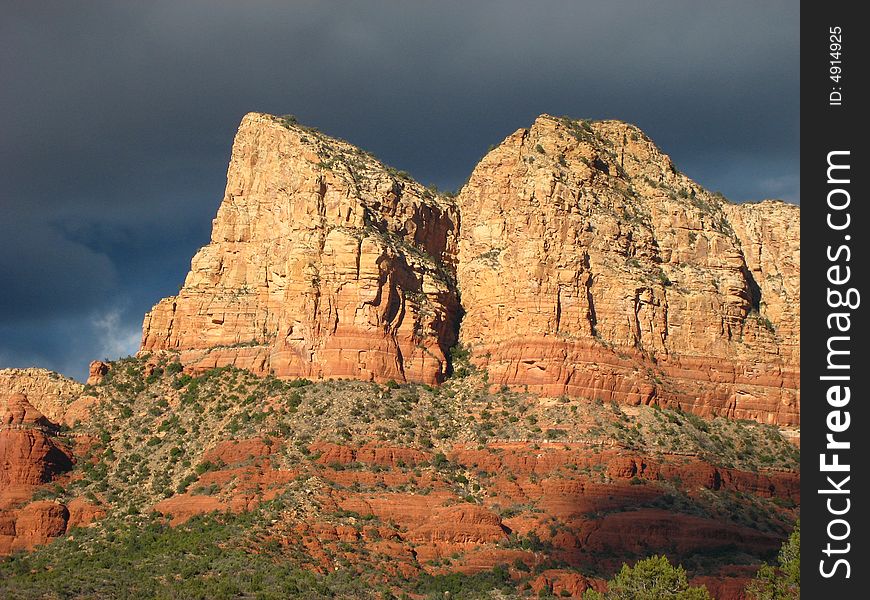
[
  {"x": 174, "y": 368},
  {"x": 653, "y": 578},
  {"x": 782, "y": 582},
  {"x": 459, "y": 586},
  {"x": 205, "y": 557},
  {"x": 519, "y": 565},
  {"x": 440, "y": 460}
]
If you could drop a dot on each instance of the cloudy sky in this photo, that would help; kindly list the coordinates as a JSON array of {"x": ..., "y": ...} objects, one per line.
[{"x": 116, "y": 120}]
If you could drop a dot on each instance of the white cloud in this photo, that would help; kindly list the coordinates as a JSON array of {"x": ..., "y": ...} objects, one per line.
[{"x": 115, "y": 339}]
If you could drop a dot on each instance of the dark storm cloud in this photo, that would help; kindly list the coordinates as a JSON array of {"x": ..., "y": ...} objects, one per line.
[{"x": 116, "y": 120}]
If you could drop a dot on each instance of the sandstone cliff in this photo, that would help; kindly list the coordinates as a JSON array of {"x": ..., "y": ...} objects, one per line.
[
  {"x": 50, "y": 393},
  {"x": 769, "y": 234},
  {"x": 29, "y": 457},
  {"x": 589, "y": 266},
  {"x": 585, "y": 268},
  {"x": 323, "y": 263}
]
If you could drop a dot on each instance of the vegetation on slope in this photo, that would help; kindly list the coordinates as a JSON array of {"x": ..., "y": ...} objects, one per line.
[
  {"x": 653, "y": 578},
  {"x": 209, "y": 557},
  {"x": 147, "y": 433},
  {"x": 783, "y": 581}
]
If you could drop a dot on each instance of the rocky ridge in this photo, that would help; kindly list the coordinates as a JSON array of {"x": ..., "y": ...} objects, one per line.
[
  {"x": 366, "y": 378},
  {"x": 50, "y": 393},
  {"x": 32, "y": 455},
  {"x": 397, "y": 482},
  {"x": 579, "y": 261},
  {"x": 323, "y": 263},
  {"x": 589, "y": 266}
]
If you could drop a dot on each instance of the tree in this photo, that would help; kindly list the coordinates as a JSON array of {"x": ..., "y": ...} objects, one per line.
[
  {"x": 653, "y": 578},
  {"x": 782, "y": 582}
]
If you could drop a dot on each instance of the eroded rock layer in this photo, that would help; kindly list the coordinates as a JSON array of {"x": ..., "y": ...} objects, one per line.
[
  {"x": 589, "y": 266},
  {"x": 50, "y": 393},
  {"x": 322, "y": 263},
  {"x": 29, "y": 457},
  {"x": 399, "y": 481}
]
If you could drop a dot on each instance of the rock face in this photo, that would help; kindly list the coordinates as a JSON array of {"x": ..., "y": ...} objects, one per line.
[
  {"x": 49, "y": 392},
  {"x": 589, "y": 266},
  {"x": 17, "y": 412},
  {"x": 28, "y": 454},
  {"x": 35, "y": 524},
  {"x": 322, "y": 263},
  {"x": 29, "y": 457},
  {"x": 770, "y": 239},
  {"x": 96, "y": 371}
]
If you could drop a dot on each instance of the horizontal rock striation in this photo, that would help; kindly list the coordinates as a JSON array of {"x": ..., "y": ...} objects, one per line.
[
  {"x": 323, "y": 262},
  {"x": 30, "y": 456},
  {"x": 50, "y": 393},
  {"x": 589, "y": 266}
]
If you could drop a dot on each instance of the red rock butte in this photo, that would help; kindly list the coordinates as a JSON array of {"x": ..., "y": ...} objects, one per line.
[
  {"x": 575, "y": 261},
  {"x": 29, "y": 457},
  {"x": 322, "y": 263}
]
